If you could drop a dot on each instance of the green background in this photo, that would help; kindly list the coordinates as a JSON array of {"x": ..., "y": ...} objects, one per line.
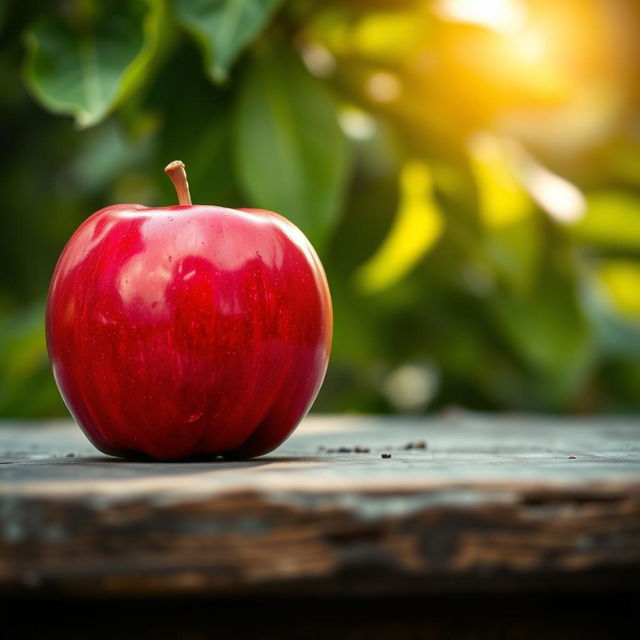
[{"x": 474, "y": 194}]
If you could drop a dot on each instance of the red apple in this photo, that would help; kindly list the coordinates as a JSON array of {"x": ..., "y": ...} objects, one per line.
[{"x": 188, "y": 330}]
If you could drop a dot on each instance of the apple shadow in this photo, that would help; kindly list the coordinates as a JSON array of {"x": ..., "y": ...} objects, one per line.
[
  {"x": 193, "y": 462},
  {"x": 96, "y": 467}
]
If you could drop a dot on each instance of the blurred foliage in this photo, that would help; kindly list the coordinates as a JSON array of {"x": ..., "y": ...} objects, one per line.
[{"x": 469, "y": 171}]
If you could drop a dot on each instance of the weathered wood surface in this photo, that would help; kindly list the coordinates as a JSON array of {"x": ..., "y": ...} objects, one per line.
[{"x": 493, "y": 502}]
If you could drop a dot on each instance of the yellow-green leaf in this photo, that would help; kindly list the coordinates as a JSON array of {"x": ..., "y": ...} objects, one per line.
[
  {"x": 503, "y": 199},
  {"x": 612, "y": 220},
  {"x": 620, "y": 279},
  {"x": 417, "y": 227}
]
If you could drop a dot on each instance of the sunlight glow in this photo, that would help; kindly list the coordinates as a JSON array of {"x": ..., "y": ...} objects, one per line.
[
  {"x": 504, "y": 16},
  {"x": 383, "y": 87},
  {"x": 318, "y": 59},
  {"x": 530, "y": 46},
  {"x": 356, "y": 124},
  {"x": 561, "y": 199}
]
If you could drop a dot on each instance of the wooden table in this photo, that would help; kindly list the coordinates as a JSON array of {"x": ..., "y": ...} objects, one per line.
[{"x": 349, "y": 506}]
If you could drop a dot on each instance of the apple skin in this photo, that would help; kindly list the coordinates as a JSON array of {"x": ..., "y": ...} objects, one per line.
[{"x": 188, "y": 330}]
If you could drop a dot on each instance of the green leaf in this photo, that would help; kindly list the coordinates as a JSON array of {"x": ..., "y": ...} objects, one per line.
[
  {"x": 105, "y": 154},
  {"x": 514, "y": 251},
  {"x": 223, "y": 28},
  {"x": 510, "y": 239},
  {"x": 85, "y": 66},
  {"x": 4, "y": 10},
  {"x": 551, "y": 334},
  {"x": 27, "y": 388},
  {"x": 612, "y": 220},
  {"x": 292, "y": 155},
  {"x": 206, "y": 156}
]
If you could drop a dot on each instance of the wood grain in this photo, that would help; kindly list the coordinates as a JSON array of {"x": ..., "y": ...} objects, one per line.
[{"x": 492, "y": 503}]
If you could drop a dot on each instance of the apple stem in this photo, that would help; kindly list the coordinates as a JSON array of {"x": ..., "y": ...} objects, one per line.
[{"x": 175, "y": 170}]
